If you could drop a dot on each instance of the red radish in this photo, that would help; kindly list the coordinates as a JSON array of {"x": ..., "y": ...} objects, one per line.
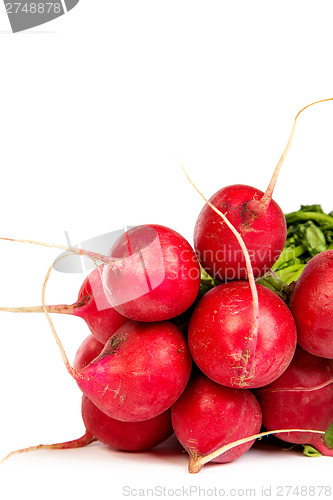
[
  {"x": 128, "y": 436},
  {"x": 87, "y": 352},
  {"x": 301, "y": 397},
  {"x": 92, "y": 306},
  {"x": 264, "y": 234},
  {"x": 311, "y": 303},
  {"x": 208, "y": 416},
  {"x": 158, "y": 275},
  {"x": 140, "y": 373},
  {"x": 258, "y": 219},
  {"x": 220, "y": 343}
]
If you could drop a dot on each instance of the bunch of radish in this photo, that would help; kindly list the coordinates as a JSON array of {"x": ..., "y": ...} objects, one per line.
[{"x": 218, "y": 365}]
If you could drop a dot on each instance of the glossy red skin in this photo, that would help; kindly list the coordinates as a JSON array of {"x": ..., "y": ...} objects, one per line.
[
  {"x": 127, "y": 436},
  {"x": 141, "y": 372},
  {"x": 219, "y": 326},
  {"x": 283, "y": 408},
  {"x": 311, "y": 303},
  {"x": 208, "y": 416},
  {"x": 88, "y": 350},
  {"x": 169, "y": 263},
  {"x": 92, "y": 305},
  {"x": 217, "y": 248}
]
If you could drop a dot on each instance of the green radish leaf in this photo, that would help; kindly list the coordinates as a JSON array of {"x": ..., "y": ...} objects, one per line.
[
  {"x": 309, "y": 451},
  {"x": 312, "y": 208},
  {"x": 329, "y": 436},
  {"x": 313, "y": 238},
  {"x": 206, "y": 282},
  {"x": 206, "y": 277}
]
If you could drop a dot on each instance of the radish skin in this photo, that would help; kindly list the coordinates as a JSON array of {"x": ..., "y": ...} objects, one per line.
[
  {"x": 126, "y": 436},
  {"x": 219, "y": 340},
  {"x": 301, "y": 397},
  {"x": 208, "y": 415},
  {"x": 87, "y": 352},
  {"x": 160, "y": 274},
  {"x": 311, "y": 303},
  {"x": 141, "y": 372},
  {"x": 264, "y": 235}
]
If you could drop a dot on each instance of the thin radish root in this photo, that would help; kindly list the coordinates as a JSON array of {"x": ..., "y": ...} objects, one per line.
[
  {"x": 77, "y": 251},
  {"x": 249, "y": 348},
  {"x": 74, "y": 373},
  {"x": 46, "y": 309},
  {"x": 198, "y": 461},
  {"x": 60, "y": 308},
  {"x": 84, "y": 440},
  {"x": 260, "y": 206},
  {"x": 296, "y": 389}
]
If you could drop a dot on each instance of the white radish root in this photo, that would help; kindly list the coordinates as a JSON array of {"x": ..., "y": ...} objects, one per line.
[
  {"x": 197, "y": 462},
  {"x": 260, "y": 206},
  {"x": 84, "y": 440}
]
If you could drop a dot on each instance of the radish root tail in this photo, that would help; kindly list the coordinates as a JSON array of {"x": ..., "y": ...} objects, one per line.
[
  {"x": 59, "y": 309},
  {"x": 296, "y": 389},
  {"x": 72, "y": 250},
  {"x": 198, "y": 461},
  {"x": 84, "y": 440},
  {"x": 262, "y": 205},
  {"x": 74, "y": 373}
]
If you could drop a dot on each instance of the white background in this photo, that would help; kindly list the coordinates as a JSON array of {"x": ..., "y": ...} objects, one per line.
[{"x": 95, "y": 109}]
